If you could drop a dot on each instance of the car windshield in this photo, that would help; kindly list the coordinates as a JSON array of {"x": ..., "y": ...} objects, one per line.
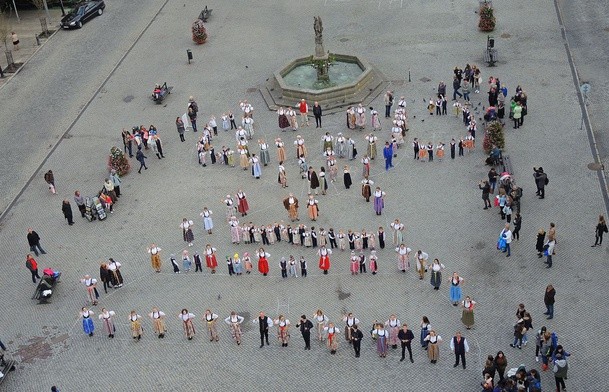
[{"x": 78, "y": 11}]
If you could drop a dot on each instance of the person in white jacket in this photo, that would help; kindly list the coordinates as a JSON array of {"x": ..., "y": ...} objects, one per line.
[{"x": 506, "y": 233}]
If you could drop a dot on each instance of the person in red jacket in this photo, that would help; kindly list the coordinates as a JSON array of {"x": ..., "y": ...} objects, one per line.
[
  {"x": 303, "y": 108},
  {"x": 32, "y": 265}
]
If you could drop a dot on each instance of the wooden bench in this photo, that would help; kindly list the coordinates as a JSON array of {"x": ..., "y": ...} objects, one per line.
[
  {"x": 205, "y": 14},
  {"x": 6, "y": 366},
  {"x": 158, "y": 97},
  {"x": 43, "y": 285},
  {"x": 507, "y": 165},
  {"x": 491, "y": 57}
]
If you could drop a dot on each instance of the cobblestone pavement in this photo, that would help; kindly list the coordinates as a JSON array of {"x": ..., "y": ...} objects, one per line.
[{"x": 439, "y": 203}]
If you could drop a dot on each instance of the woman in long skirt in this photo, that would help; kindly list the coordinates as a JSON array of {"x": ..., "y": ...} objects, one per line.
[
  {"x": 235, "y": 230},
  {"x": 361, "y": 116},
  {"x": 373, "y": 261},
  {"x": 455, "y": 288},
  {"x": 174, "y": 264},
  {"x": 234, "y": 321},
  {"x": 186, "y": 261},
  {"x": 312, "y": 206},
  {"x": 381, "y": 335},
  {"x": 354, "y": 263},
  {"x": 87, "y": 322},
  {"x": 265, "y": 157},
  {"x": 263, "y": 263},
  {"x": 331, "y": 335},
  {"x": 323, "y": 182},
  {"x": 281, "y": 177},
  {"x": 365, "y": 166},
  {"x": 398, "y": 232},
  {"x": 187, "y": 324},
  {"x": 210, "y": 258},
  {"x": 283, "y": 119},
  {"x": 210, "y": 321},
  {"x": 433, "y": 350},
  {"x": 136, "y": 325},
  {"x": 375, "y": 122},
  {"x": 106, "y": 318},
  {"x": 280, "y": 150},
  {"x": 350, "y": 117},
  {"x": 347, "y": 177},
  {"x": 237, "y": 264},
  {"x": 187, "y": 234},
  {"x": 379, "y": 200},
  {"x": 208, "y": 223},
  {"x": 158, "y": 322},
  {"x": 403, "y": 257},
  {"x": 242, "y": 204},
  {"x": 425, "y": 328},
  {"x": 283, "y": 330},
  {"x": 247, "y": 261},
  {"x": 342, "y": 240},
  {"x": 371, "y": 150},
  {"x": 322, "y": 321},
  {"x": 436, "y": 274},
  {"x": 467, "y": 317},
  {"x": 393, "y": 326},
  {"x": 256, "y": 169}
]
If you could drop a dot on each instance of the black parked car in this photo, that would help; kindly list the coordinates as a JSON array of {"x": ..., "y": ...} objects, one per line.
[{"x": 82, "y": 13}]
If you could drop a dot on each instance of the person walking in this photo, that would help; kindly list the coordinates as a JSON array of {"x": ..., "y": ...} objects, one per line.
[
  {"x": 49, "y": 178},
  {"x": 541, "y": 180},
  {"x": 456, "y": 87},
  {"x": 405, "y": 336},
  {"x": 601, "y": 228},
  {"x": 356, "y": 340},
  {"x": 15, "y": 40},
  {"x": 486, "y": 191},
  {"x": 459, "y": 346},
  {"x": 32, "y": 265},
  {"x": 517, "y": 221},
  {"x": 548, "y": 300},
  {"x": 560, "y": 372},
  {"x": 141, "y": 158},
  {"x": 500, "y": 365},
  {"x": 305, "y": 325},
  {"x": 548, "y": 250},
  {"x": 67, "y": 211},
  {"x": 33, "y": 240}
]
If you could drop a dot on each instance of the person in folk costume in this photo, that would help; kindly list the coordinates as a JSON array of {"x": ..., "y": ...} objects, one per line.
[
  {"x": 237, "y": 265},
  {"x": 332, "y": 167},
  {"x": 354, "y": 260},
  {"x": 235, "y": 321},
  {"x": 186, "y": 261},
  {"x": 373, "y": 261},
  {"x": 210, "y": 258},
  {"x": 429, "y": 152},
  {"x": 461, "y": 146},
  {"x": 303, "y": 166},
  {"x": 187, "y": 324},
  {"x": 349, "y": 321},
  {"x": 440, "y": 151},
  {"x": 341, "y": 145},
  {"x": 106, "y": 317},
  {"x": 323, "y": 183},
  {"x": 235, "y": 230},
  {"x": 467, "y": 316},
  {"x": 323, "y": 237},
  {"x": 242, "y": 204},
  {"x": 332, "y": 340},
  {"x": 187, "y": 233},
  {"x": 231, "y": 208},
  {"x": 366, "y": 192},
  {"x": 293, "y": 119},
  {"x": 210, "y": 321},
  {"x": 403, "y": 257},
  {"x": 321, "y": 322},
  {"x": 231, "y": 118},
  {"x": 324, "y": 259},
  {"x": 362, "y": 262},
  {"x": 197, "y": 259},
  {"x": 398, "y": 232},
  {"x": 469, "y": 142},
  {"x": 283, "y": 330},
  {"x": 313, "y": 208},
  {"x": 371, "y": 149},
  {"x": 455, "y": 288},
  {"x": 158, "y": 322},
  {"x": 247, "y": 262},
  {"x": 293, "y": 269},
  {"x": 230, "y": 156},
  {"x": 313, "y": 180},
  {"x": 436, "y": 274},
  {"x": 90, "y": 283},
  {"x": 174, "y": 264},
  {"x": 433, "y": 350},
  {"x": 422, "y": 258},
  {"x": 328, "y": 142},
  {"x": 114, "y": 268},
  {"x": 301, "y": 149},
  {"x": 256, "y": 170},
  {"x": 245, "y": 233},
  {"x": 283, "y": 265},
  {"x": 379, "y": 200},
  {"x": 351, "y": 117},
  {"x": 375, "y": 122},
  {"x": 281, "y": 177},
  {"x": 307, "y": 240},
  {"x": 342, "y": 240},
  {"x": 263, "y": 263},
  {"x": 360, "y": 120},
  {"x": 365, "y": 166},
  {"x": 347, "y": 177},
  {"x": 290, "y": 203},
  {"x": 425, "y": 328},
  {"x": 393, "y": 327},
  {"x": 381, "y": 336},
  {"x": 155, "y": 257},
  {"x": 244, "y": 162},
  {"x": 248, "y": 125},
  {"x": 380, "y": 235},
  {"x": 280, "y": 150},
  {"x": 282, "y": 119},
  {"x": 208, "y": 223},
  {"x": 136, "y": 325},
  {"x": 452, "y": 148},
  {"x": 396, "y": 134},
  {"x": 295, "y": 235},
  {"x": 351, "y": 150},
  {"x": 351, "y": 239},
  {"x": 265, "y": 157},
  {"x": 87, "y": 322},
  {"x": 225, "y": 122}
]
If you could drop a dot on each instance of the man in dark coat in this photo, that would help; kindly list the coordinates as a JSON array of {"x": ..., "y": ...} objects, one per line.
[
  {"x": 305, "y": 329},
  {"x": 67, "y": 211},
  {"x": 313, "y": 180},
  {"x": 317, "y": 114},
  {"x": 541, "y": 180},
  {"x": 141, "y": 158},
  {"x": 33, "y": 240},
  {"x": 356, "y": 338},
  {"x": 405, "y": 335}
]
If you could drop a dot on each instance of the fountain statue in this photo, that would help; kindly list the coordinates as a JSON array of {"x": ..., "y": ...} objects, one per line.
[
  {"x": 321, "y": 60},
  {"x": 319, "y": 39}
]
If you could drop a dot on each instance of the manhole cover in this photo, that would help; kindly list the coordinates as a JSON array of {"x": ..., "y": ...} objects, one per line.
[
  {"x": 344, "y": 39},
  {"x": 425, "y": 80},
  {"x": 595, "y": 166},
  {"x": 128, "y": 98},
  {"x": 506, "y": 35},
  {"x": 251, "y": 90}
]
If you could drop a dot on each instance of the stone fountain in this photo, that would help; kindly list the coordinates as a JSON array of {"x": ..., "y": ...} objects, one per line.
[{"x": 334, "y": 80}]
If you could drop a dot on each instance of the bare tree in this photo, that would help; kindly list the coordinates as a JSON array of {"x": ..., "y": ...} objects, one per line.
[
  {"x": 5, "y": 29},
  {"x": 42, "y": 5}
]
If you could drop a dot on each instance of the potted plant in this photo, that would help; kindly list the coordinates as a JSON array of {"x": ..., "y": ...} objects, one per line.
[
  {"x": 493, "y": 136},
  {"x": 487, "y": 17},
  {"x": 118, "y": 161},
  {"x": 199, "y": 34}
]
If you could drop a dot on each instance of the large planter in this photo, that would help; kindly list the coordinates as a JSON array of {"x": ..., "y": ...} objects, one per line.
[
  {"x": 487, "y": 17},
  {"x": 199, "y": 34},
  {"x": 493, "y": 135}
]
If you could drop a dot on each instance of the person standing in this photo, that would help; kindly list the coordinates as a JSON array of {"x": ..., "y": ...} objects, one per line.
[
  {"x": 388, "y": 99},
  {"x": 317, "y": 113},
  {"x": 405, "y": 336},
  {"x": 158, "y": 322},
  {"x": 106, "y": 317},
  {"x": 541, "y": 236},
  {"x": 313, "y": 207},
  {"x": 548, "y": 300},
  {"x": 303, "y": 108},
  {"x": 87, "y": 322},
  {"x": 548, "y": 250},
  {"x": 467, "y": 316},
  {"x": 80, "y": 203},
  {"x": 541, "y": 180},
  {"x": 109, "y": 189},
  {"x": 155, "y": 257},
  {"x": 356, "y": 340},
  {"x": 50, "y": 179},
  {"x": 324, "y": 259},
  {"x": 283, "y": 330},
  {"x": 208, "y": 223},
  {"x": 127, "y": 142},
  {"x": 242, "y": 204},
  {"x": 500, "y": 365},
  {"x": 136, "y": 325},
  {"x": 189, "y": 328},
  {"x": 32, "y": 265},
  {"x": 305, "y": 325},
  {"x": 290, "y": 203},
  {"x": 560, "y": 371},
  {"x": 433, "y": 350},
  {"x": 517, "y": 221},
  {"x": 181, "y": 129},
  {"x": 263, "y": 263},
  {"x": 90, "y": 284},
  {"x": 210, "y": 258},
  {"x": 506, "y": 234},
  {"x": 456, "y": 282},
  {"x": 210, "y": 321},
  {"x": 601, "y": 228},
  {"x": 331, "y": 332},
  {"x": 388, "y": 155},
  {"x": 104, "y": 276},
  {"x": 486, "y": 190},
  {"x": 393, "y": 327},
  {"x": 379, "y": 200},
  {"x": 114, "y": 269},
  {"x": 459, "y": 345},
  {"x": 436, "y": 274},
  {"x": 235, "y": 321},
  {"x": 264, "y": 323},
  {"x": 67, "y": 211},
  {"x": 33, "y": 240},
  {"x": 422, "y": 258},
  {"x": 15, "y": 40},
  {"x": 187, "y": 234},
  {"x": 141, "y": 158},
  {"x": 381, "y": 335}
]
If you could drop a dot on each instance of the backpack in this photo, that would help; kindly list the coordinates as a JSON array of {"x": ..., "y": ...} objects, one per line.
[
  {"x": 546, "y": 181},
  {"x": 28, "y": 264}
]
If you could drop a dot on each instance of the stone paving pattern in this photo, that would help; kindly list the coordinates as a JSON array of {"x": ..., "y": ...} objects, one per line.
[{"x": 439, "y": 203}]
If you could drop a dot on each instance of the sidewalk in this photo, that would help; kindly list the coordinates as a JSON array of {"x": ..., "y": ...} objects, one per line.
[{"x": 26, "y": 30}]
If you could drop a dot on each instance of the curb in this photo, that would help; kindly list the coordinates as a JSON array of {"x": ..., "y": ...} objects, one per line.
[{"x": 8, "y": 80}]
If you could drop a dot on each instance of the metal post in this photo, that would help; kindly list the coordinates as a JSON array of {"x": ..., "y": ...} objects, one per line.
[
  {"x": 46, "y": 8},
  {"x": 63, "y": 11},
  {"x": 409, "y": 75},
  {"x": 16, "y": 12},
  {"x": 1, "y": 73},
  {"x": 37, "y": 40}
]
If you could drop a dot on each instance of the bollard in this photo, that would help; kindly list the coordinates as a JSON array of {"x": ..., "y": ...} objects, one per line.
[
  {"x": 189, "y": 54},
  {"x": 1, "y": 73},
  {"x": 37, "y": 40}
]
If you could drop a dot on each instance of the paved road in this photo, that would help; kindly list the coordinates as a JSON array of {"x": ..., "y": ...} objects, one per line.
[
  {"x": 439, "y": 203},
  {"x": 50, "y": 92}
]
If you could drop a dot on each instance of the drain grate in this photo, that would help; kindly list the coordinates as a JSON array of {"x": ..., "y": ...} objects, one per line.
[{"x": 425, "y": 79}]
